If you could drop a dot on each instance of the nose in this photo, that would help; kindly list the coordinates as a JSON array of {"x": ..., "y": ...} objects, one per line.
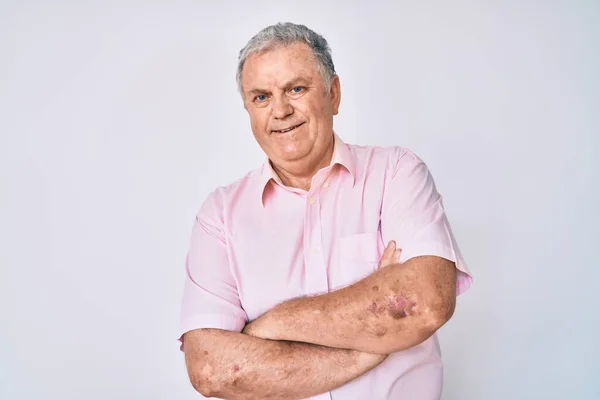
[{"x": 282, "y": 107}]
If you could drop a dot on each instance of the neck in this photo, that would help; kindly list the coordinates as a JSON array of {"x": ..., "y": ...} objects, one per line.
[{"x": 302, "y": 179}]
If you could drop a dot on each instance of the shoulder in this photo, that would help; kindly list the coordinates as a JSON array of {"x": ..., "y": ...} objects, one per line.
[
  {"x": 226, "y": 195},
  {"x": 392, "y": 157}
]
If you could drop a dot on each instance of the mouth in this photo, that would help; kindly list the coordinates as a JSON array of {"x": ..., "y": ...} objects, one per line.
[{"x": 286, "y": 130}]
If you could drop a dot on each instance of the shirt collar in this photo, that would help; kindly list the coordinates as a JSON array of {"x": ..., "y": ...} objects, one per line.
[{"x": 341, "y": 155}]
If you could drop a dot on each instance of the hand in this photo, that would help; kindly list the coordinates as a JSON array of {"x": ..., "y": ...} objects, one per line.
[
  {"x": 250, "y": 328},
  {"x": 390, "y": 255},
  {"x": 258, "y": 328},
  {"x": 370, "y": 360}
]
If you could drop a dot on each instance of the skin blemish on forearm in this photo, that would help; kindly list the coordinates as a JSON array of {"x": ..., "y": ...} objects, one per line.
[
  {"x": 375, "y": 288},
  {"x": 236, "y": 368},
  {"x": 399, "y": 307},
  {"x": 375, "y": 308},
  {"x": 380, "y": 331},
  {"x": 372, "y": 307}
]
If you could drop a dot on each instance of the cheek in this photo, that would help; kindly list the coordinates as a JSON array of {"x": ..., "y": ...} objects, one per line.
[
  {"x": 259, "y": 122},
  {"x": 317, "y": 114}
]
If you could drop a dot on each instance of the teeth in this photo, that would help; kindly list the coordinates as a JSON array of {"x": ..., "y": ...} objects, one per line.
[{"x": 286, "y": 130}]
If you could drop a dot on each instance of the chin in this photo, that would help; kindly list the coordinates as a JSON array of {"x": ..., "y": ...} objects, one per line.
[
  {"x": 288, "y": 157},
  {"x": 291, "y": 150}
]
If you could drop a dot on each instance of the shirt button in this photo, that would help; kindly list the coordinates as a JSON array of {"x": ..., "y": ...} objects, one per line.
[
  {"x": 326, "y": 184},
  {"x": 311, "y": 200},
  {"x": 314, "y": 250}
]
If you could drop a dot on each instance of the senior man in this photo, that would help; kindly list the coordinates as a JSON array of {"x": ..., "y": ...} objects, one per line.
[{"x": 325, "y": 273}]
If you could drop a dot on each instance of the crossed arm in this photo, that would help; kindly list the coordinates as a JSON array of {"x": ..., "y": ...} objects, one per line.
[
  {"x": 311, "y": 345},
  {"x": 233, "y": 365},
  {"x": 391, "y": 310}
]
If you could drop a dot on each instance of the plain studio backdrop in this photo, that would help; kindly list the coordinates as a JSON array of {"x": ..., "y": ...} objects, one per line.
[{"x": 117, "y": 118}]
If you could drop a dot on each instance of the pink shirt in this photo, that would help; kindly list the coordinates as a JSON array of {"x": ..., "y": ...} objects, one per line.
[{"x": 257, "y": 243}]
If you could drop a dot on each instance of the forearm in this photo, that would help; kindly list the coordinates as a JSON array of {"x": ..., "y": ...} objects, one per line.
[
  {"x": 238, "y": 366},
  {"x": 388, "y": 311}
]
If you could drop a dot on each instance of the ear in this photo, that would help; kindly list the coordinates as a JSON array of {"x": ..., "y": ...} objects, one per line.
[{"x": 336, "y": 94}]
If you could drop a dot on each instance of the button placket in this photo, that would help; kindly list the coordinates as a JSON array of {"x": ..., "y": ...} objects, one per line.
[{"x": 316, "y": 268}]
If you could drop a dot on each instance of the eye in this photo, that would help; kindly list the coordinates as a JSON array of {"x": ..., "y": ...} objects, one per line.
[
  {"x": 297, "y": 89},
  {"x": 260, "y": 98}
]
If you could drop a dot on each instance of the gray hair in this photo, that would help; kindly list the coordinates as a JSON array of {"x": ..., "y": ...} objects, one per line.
[{"x": 283, "y": 34}]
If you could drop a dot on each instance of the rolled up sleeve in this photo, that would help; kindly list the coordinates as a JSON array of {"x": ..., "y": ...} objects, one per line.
[
  {"x": 413, "y": 215},
  {"x": 210, "y": 297}
]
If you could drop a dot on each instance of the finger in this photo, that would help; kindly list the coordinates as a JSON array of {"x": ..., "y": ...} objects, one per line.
[
  {"x": 389, "y": 250},
  {"x": 397, "y": 254},
  {"x": 388, "y": 253}
]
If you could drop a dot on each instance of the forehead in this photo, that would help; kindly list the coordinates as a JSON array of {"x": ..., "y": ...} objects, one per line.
[{"x": 279, "y": 66}]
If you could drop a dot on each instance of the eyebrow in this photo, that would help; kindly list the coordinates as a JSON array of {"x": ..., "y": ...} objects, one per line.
[{"x": 293, "y": 82}]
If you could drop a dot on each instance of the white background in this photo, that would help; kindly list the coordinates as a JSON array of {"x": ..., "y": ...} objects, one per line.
[{"x": 117, "y": 118}]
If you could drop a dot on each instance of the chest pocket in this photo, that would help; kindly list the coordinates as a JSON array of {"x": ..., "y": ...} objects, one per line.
[{"x": 359, "y": 255}]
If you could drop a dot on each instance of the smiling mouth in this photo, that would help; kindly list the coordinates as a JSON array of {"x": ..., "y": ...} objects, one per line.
[{"x": 288, "y": 129}]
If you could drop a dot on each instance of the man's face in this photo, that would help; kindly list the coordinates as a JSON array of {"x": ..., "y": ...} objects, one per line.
[{"x": 284, "y": 90}]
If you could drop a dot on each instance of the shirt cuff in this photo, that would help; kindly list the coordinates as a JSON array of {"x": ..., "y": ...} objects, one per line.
[
  {"x": 213, "y": 321},
  {"x": 463, "y": 277}
]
